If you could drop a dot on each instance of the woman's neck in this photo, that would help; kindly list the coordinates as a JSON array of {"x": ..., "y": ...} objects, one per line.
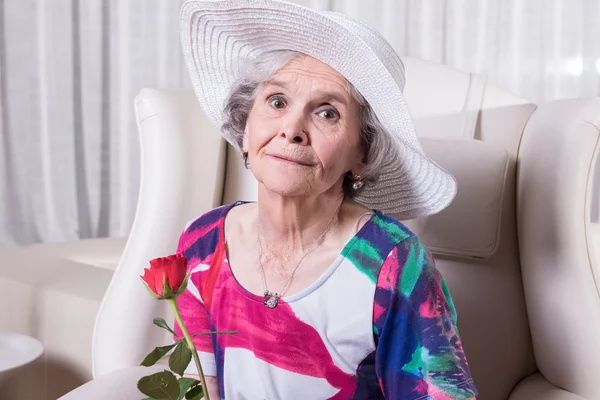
[{"x": 295, "y": 223}]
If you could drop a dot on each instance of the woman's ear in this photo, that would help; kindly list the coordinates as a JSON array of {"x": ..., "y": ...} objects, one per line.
[
  {"x": 358, "y": 167},
  {"x": 245, "y": 141}
]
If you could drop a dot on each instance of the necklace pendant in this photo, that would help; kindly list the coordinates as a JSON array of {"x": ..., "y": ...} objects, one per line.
[{"x": 271, "y": 300}]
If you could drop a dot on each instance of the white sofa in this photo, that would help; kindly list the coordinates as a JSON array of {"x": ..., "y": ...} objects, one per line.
[{"x": 516, "y": 246}]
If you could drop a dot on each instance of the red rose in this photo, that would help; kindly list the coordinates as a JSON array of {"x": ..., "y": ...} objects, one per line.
[{"x": 167, "y": 276}]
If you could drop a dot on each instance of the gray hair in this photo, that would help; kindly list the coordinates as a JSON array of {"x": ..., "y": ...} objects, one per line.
[{"x": 243, "y": 92}]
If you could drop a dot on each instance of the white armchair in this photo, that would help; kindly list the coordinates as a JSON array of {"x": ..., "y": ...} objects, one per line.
[{"x": 516, "y": 247}]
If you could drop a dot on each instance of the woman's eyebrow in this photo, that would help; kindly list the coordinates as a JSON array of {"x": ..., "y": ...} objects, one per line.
[
  {"x": 319, "y": 96},
  {"x": 275, "y": 82},
  {"x": 335, "y": 97}
]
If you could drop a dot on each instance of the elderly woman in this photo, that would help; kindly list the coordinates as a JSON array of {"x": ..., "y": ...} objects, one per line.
[{"x": 330, "y": 298}]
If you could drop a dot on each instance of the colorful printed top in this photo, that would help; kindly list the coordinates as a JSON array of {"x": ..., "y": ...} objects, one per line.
[{"x": 378, "y": 324}]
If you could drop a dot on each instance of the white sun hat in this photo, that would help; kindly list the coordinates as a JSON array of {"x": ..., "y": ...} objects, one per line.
[{"x": 217, "y": 35}]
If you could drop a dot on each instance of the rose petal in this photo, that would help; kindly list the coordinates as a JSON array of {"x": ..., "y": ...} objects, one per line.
[
  {"x": 177, "y": 272},
  {"x": 148, "y": 277},
  {"x": 158, "y": 273}
]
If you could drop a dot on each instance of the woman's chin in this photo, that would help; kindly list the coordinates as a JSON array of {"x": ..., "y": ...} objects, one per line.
[{"x": 288, "y": 189}]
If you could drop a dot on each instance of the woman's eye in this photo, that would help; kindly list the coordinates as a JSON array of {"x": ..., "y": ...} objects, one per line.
[
  {"x": 328, "y": 113},
  {"x": 276, "y": 102}
]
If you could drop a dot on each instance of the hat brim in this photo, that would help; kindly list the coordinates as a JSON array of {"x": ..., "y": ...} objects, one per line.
[{"x": 216, "y": 35}]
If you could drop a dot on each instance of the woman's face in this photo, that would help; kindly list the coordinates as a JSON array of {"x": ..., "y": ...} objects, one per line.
[{"x": 303, "y": 131}]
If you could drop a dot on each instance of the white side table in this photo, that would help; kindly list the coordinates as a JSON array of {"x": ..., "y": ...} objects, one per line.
[{"x": 17, "y": 350}]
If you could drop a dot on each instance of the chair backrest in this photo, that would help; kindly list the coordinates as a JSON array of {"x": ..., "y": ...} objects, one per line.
[{"x": 181, "y": 177}]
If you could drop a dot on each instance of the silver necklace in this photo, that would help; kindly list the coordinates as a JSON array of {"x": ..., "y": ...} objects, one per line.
[{"x": 270, "y": 298}]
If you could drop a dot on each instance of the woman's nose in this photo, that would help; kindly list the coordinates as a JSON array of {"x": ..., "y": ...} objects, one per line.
[
  {"x": 294, "y": 130},
  {"x": 298, "y": 137}
]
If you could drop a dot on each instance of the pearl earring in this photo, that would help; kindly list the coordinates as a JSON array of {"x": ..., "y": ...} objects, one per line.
[{"x": 358, "y": 182}]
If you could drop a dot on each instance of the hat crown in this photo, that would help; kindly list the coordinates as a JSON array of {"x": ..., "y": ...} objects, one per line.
[{"x": 376, "y": 42}]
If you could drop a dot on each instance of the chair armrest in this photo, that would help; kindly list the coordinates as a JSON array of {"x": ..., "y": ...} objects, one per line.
[
  {"x": 182, "y": 157},
  {"x": 536, "y": 387},
  {"x": 561, "y": 276},
  {"x": 117, "y": 385},
  {"x": 100, "y": 252},
  {"x": 42, "y": 271}
]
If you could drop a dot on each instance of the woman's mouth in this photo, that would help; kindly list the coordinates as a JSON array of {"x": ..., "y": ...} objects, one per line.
[{"x": 289, "y": 160}]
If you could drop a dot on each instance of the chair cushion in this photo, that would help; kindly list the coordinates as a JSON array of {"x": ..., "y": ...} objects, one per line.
[{"x": 470, "y": 226}]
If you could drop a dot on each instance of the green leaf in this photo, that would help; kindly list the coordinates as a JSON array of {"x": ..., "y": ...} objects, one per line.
[
  {"x": 151, "y": 292},
  {"x": 184, "y": 284},
  {"x": 160, "y": 386},
  {"x": 163, "y": 324},
  {"x": 167, "y": 292},
  {"x": 180, "y": 358},
  {"x": 197, "y": 393},
  {"x": 185, "y": 384},
  {"x": 156, "y": 355}
]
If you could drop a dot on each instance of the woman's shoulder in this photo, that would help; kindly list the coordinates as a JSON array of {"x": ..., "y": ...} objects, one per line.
[
  {"x": 387, "y": 230},
  {"x": 210, "y": 218},
  {"x": 202, "y": 234},
  {"x": 406, "y": 247},
  {"x": 383, "y": 245}
]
